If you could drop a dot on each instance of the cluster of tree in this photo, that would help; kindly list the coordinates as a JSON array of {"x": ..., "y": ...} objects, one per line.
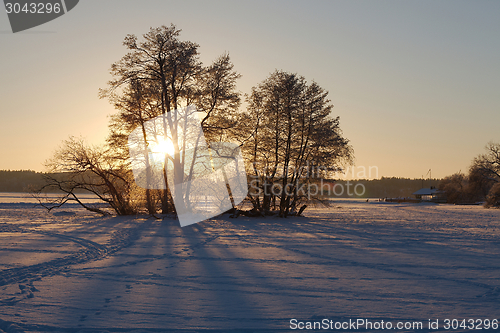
[
  {"x": 19, "y": 180},
  {"x": 287, "y": 125},
  {"x": 482, "y": 183},
  {"x": 292, "y": 135}
]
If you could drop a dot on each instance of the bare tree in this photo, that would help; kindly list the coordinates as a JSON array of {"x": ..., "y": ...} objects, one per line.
[
  {"x": 169, "y": 69},
  {"x": 293, "y": 133},
  {"x": 77, "y": 167},
  {"x": 166, "y": 61},
  {"x": 485, "y": 173},
  {"x": 482, "y": 182},
  {"x": 457, "y": 188},
  {"x": 488, "y": 165},
  {"x": 137, "y": 104}
]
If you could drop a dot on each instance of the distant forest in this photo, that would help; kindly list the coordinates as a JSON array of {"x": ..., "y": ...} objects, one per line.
[
  {"x": 20, "y": 180},
  {"x": 386, "y": 187},
  {"x": 24, "y": 180}
]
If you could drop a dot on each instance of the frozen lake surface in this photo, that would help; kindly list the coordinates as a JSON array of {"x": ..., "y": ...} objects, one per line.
[{"x": 70, "y": 270}]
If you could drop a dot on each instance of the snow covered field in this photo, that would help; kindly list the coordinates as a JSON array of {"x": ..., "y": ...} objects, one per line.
[{"x": 70, "y": 270}]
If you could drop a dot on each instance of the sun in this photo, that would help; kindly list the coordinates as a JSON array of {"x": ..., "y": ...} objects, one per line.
[{"x": 163, "y": 146}]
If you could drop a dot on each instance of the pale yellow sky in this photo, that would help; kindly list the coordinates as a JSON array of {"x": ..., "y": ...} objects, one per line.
[{"x": 415, "y": 83}]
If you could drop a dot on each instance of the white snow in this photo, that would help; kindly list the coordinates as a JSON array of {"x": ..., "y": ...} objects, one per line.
[{"x": 70, "y": 269}]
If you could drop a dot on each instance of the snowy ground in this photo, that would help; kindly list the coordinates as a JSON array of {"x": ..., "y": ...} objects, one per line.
[{"x": 70, "y": 271}]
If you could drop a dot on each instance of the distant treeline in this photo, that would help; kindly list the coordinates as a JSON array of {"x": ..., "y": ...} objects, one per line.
[
  {"x": 25, "y": 180},
  {"x": 20, "y": 180},
  {"x": 29, "y": 181},
  {"x": 382, "y": 188}
]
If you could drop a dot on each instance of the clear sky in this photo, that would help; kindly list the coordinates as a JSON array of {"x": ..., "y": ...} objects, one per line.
[{"x": 415, "y": 83}]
